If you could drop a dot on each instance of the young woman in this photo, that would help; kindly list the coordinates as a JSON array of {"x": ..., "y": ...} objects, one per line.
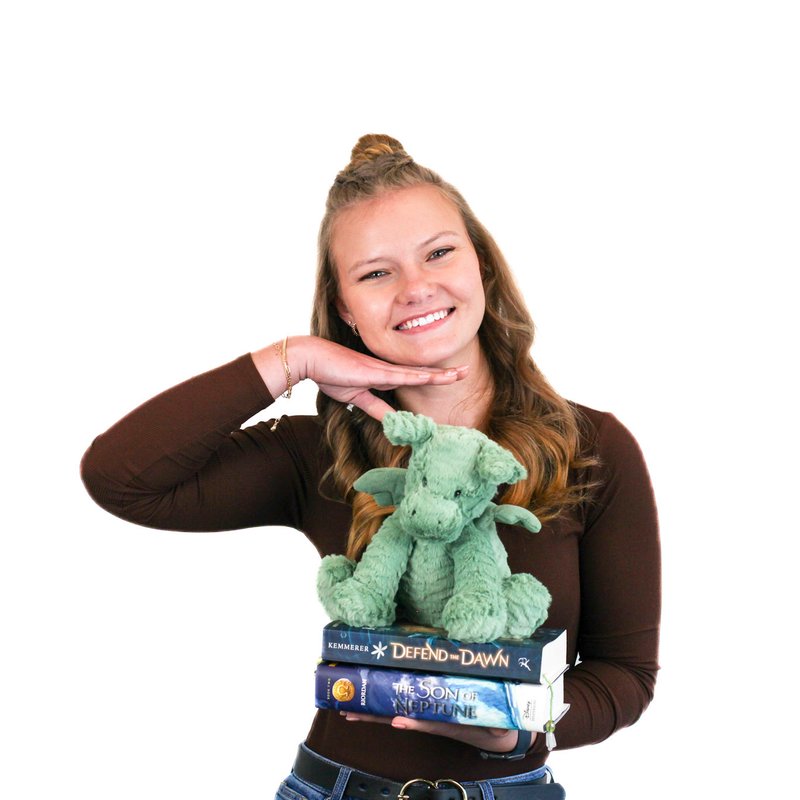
[{"x": 415, "y": 308}]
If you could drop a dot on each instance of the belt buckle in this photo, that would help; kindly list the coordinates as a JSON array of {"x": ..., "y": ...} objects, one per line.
[
  {"x": 404, "y": 796},
  {"x": 455, "y": 783},
  {"x": 431, "y": 785}
]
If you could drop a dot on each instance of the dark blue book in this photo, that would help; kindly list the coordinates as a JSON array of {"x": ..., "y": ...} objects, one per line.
[
  {"x": 438, "y": 697},
  {"x": 404, "y": 646}
]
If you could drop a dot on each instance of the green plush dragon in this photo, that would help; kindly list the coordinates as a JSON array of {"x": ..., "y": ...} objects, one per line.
[{"x": 437, "y": 559}]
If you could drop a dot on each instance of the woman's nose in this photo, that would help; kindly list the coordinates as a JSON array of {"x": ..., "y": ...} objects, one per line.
[{"x": 415, "y": 287}]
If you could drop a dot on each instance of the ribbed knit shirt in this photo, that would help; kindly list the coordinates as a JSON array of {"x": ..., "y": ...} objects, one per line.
[{"x": 182, "y": 461}]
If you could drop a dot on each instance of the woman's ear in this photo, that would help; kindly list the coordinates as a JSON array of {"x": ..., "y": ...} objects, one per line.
[{"x": 344, "y": 312}]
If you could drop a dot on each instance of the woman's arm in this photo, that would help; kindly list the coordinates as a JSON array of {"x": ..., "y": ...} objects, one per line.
[
  {"x": 181, "y": 462},
  {"x": 620, "y": 579},
  {"x": 617, "y": 638}
]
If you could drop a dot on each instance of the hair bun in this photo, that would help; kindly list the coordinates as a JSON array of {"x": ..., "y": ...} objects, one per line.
[{"x": 373, "y": 145}]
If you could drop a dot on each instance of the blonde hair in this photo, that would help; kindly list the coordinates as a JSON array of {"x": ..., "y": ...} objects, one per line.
[{"x": 525, "y": 415}]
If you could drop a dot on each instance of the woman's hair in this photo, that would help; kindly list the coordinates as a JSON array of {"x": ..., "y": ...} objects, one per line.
[{"x": 526, "y": 416}]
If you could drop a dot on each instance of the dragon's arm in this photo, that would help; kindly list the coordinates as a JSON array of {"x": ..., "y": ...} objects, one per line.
[
  {"x": 478, "y": 557},
  {"x": 384, "y": 561}
]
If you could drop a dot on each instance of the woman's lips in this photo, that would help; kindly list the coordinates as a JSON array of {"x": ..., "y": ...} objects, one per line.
[{"x": 424, "y": 320}]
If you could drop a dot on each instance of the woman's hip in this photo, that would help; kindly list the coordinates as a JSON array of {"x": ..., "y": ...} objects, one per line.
[{"x": 314, "y": 777}]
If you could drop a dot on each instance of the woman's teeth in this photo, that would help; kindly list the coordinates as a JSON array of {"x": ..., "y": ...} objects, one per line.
[{"x": 420, "y": 321}]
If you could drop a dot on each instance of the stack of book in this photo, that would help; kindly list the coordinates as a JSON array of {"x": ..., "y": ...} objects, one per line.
[{"x": 411, "y": 671}]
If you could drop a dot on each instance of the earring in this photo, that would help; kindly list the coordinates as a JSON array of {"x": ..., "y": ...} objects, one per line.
[{"x": 353, "y": 327}]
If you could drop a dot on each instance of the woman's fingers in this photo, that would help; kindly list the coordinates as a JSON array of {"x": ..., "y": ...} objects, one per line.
[
  {"x": 352, "y": 716},
  {"x": 383, "y": 376},
  {"x": 420, "y": 375},
  {"x": 413, "y": 376},
  {"x": 333, "y": 364},
  {"x": 365, "y": 400},
  {"x": 371, "y": 405},
  {"x": 446, "y": 376},
  {"x": 494, "y": 740},
  {"x": 356, "y": 386}
]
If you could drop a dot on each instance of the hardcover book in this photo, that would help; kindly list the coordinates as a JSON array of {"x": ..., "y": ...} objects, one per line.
[
  {"x": 405, "y": 646},
  {"x": 442, "y": 698}
]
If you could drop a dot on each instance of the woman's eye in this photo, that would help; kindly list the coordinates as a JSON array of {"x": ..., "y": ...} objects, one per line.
[
  {"x": 376, "y": 273},
  {"x": 442, "y": 251},
  {"x": 424, "y": 481}
]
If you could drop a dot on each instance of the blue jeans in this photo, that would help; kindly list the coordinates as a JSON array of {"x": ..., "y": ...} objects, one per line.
[{"x": 295, "y": 789}]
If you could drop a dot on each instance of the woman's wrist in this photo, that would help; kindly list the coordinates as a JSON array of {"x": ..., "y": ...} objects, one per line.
[
  {"x": 281, "y": 364},
  {"x": 523, "y": 744}
]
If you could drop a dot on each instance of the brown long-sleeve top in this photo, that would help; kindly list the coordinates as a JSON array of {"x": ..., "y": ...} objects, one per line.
[{"x": 182, "y": 462}]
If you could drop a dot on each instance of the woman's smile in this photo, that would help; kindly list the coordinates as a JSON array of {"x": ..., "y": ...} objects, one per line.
[{"x": 425, "y": 321}]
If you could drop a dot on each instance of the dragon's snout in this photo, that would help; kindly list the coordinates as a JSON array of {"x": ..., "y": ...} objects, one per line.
[{"x": 430, "y": 517}]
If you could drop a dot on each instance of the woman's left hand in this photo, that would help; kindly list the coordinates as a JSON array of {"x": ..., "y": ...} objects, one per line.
[{"x": 493, "y": 740}]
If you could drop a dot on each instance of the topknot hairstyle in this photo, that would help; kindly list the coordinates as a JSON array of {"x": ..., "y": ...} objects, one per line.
[
  {"x": 377, "y": 163},
  {"x": 526, "y": 415},
  {"x": 374, "y": 145}
]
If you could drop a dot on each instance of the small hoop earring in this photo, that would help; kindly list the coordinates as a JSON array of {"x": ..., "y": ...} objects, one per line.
[{"x": 354, "y": 328}]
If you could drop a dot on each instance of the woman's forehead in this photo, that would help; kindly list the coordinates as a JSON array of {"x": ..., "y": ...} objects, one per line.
[{"x": 395, "y": 216}]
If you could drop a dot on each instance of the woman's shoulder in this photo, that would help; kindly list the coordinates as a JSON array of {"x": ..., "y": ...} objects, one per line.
[
  {"x": 619, "y": 473},
  {"x": 606, "y": 437}
]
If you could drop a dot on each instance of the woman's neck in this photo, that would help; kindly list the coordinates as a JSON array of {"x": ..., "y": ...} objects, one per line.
[{"x": 464, "y": 402}]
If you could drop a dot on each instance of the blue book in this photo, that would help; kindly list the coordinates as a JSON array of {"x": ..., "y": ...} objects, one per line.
[
  {"x": 406, "y": 646},
  {"x": 438, "y": 697}
]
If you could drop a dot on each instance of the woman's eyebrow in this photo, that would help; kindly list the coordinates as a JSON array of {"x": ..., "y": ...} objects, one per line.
[
  {"x": 366, "y": 262},
  {"x": 437, "y": 236}
]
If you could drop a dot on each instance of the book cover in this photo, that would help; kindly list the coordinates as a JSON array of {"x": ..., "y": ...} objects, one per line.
[
  {"x": 439, "y": 697},
  {"x": 405, "y": 646}
]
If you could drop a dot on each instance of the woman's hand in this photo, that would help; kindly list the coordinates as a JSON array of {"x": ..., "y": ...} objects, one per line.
[
  {"x": 493, "y": 740},
  {"x": 344, "y": 374}
]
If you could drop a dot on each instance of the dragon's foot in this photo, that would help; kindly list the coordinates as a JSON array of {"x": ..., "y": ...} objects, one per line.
[
  {"x": 474, "y": 616},
  {"x": 332, "y": 571},
  {"x": 527, "y": 601},
  {"x": 355, "y": 603}
]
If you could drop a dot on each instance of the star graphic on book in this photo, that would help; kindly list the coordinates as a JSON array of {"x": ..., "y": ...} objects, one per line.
[{"x": 379, "y": 650}]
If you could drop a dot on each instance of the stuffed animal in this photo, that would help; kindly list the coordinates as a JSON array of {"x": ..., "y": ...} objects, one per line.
[{"x": 437, "y": 559}]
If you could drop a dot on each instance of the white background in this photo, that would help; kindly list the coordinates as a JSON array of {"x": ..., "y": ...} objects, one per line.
[{"x": 164, "y": 168}]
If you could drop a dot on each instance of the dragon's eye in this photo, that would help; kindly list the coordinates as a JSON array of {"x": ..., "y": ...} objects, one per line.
[{"x": 457, "y": 493}]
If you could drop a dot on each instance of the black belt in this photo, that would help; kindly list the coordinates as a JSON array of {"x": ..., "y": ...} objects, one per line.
[{"x": 310, "y": 768}]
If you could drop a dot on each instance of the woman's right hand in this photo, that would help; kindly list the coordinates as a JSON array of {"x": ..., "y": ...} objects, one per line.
[{"x": 344, "y": 374}]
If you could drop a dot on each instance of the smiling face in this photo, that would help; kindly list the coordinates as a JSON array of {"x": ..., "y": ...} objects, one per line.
[{"x": 409, "y": 278}]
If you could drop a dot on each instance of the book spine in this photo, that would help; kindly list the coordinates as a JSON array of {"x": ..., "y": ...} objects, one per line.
[
  {"x": 392, "y": 648},
  {"x": 437, "y": 697}
]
